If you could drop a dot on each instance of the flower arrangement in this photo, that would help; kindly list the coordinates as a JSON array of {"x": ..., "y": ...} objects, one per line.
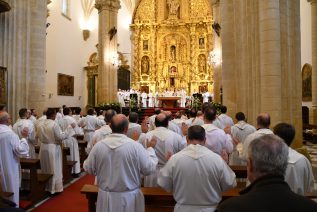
[
  {"x": 111, "y": 105},
  {"x": 196, "y": 103},
  {"x": 217, "y": 106},
  {"x": 133, "y": 104}
]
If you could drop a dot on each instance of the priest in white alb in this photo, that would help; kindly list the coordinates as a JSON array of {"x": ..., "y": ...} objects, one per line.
[
  {"x": 240, "y": 132},
  {"x": 168, "y": 143},
  {"x": 299, "y": 173},
  {"x": 22, "y": 123},
  {"x": 51, "y": 137},
  {"x": 263, "y": 122},
  {"x": 216, "y": 139},
  {"x": 144, "y": 98},
  {"x": 71, "y": 142},
  {"x": 90, "y": 124},
  {"x": 151, "y": 101},
  {"x": 11, "y": 148},
  {"x": 134, "y": 128},
  {"x": 119, "y": 162},
  {"x": 105, "y": 130},
  {"x": 196, "y": 176}
]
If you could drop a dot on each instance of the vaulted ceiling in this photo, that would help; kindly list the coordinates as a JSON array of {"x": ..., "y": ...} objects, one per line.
[{"x": 130, "y": 4}]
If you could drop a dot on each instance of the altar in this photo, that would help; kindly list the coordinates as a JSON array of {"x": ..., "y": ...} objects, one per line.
[{"x": 169, "y": 101}]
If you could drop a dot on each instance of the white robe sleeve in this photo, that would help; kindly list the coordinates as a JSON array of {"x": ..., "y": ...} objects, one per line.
[
  {"x": 165, "y": 177},
  {"x": 59, "y": 135},
  {"x": 148, "y": 160},
  {"x": 20, "y": 147},
  {"x": 90, "y": 162},
  {"x": 142, "y": 139},
  {"x": 299, "y": 176},
  {"x": 228, "y": 178},
  {"x": 229, "y": 144}
]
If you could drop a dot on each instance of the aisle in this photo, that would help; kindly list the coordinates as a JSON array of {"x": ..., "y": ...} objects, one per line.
[{"x": 71, "y": 200}]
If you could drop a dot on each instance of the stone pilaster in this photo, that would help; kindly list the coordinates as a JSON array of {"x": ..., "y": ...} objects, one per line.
[
  {"x": 314, "y": 57},
  {"x": 261, "y": 59},
  {"x": 36, "y": 76},
  {"x": 107, "y": 50},
  {"x": 22, "y": 31},
  {"x": 217, "y": 46}
]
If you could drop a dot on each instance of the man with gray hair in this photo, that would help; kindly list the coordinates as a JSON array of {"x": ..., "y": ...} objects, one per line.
[
  {"x": 134, "y": 127},
  {"x": 267, "y": 162}
]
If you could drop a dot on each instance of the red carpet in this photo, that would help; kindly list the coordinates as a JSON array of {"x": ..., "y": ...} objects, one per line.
[{"x": 71, "y": 200}]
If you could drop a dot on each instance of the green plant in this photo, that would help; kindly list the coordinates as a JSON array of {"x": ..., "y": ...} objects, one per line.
[
  {"x": 197, "y": 103},
  {"x": 133, "y": 104},
  {"x": 111, "y": 105},
  {"x": 217, "y": 106}
]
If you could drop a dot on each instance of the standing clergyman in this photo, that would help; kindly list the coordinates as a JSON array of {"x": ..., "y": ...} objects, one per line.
[{"x": 118, "y": 162}]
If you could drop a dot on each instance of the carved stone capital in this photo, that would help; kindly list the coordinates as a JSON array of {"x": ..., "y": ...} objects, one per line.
[
  {"x": 215, "y": 2},
  {"x": 107, "y": 4}
]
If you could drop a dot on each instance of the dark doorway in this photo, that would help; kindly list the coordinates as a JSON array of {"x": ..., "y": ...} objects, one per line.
[{"x": 123, "y": 79}]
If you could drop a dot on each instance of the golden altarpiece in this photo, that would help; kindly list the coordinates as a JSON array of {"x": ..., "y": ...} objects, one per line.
[{"x": 171, "y": 40}]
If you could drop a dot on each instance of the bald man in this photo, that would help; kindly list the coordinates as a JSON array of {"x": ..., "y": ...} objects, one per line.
[
  {"x": 119, "y": 162},
  {"x": 171, "y": 125},
  {"x": 263, "y": 123},
  {"x": 168, "y": 143},
  {"x": 11, "y": 148}
]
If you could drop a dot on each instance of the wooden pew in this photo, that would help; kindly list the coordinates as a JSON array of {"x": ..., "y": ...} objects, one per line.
[
  {"x": 156, "y": 199},
  {"x": 37, "y": 181},
  {"x": 241, "y": 175},
  {"x": 82, "y": 149},
  {"x": 240, "y": 171},
  {"x": 67, "y": 166}
]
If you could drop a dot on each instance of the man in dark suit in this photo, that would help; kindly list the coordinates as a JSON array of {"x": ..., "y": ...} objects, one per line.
[{"x": 267, "y": 162}]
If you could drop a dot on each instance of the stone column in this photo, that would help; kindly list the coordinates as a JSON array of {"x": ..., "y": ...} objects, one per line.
[
  {"x": 270, "y": 63},
  {"x": 217, "y": 45},
  {"x": 314, "y": 57},
  {"x": 36, "y": 91},
  {"x": 107, "y": 50},
  {"x": 23, "y": 35}
]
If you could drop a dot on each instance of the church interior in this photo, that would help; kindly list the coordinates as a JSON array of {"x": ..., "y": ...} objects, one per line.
[{"x": 253, "y": 56}]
